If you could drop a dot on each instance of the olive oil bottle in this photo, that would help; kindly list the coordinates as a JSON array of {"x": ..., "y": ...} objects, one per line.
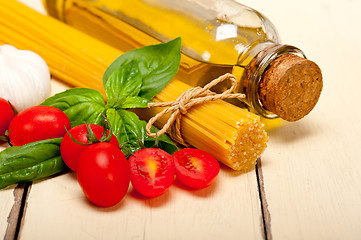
[{"x": 218, "y": 36}]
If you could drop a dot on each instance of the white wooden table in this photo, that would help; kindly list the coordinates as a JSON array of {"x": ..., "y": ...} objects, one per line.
[{"x": 308, "y": 185}]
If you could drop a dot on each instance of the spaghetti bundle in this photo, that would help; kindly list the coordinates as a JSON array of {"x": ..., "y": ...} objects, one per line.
[{"x": 233, "y": 135}]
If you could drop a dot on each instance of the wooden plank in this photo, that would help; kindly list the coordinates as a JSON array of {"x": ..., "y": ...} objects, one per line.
[
  {"x": 229, "y": 209},
  {"x": 313, "y": 191},
  {"x": 10, "y": 198},
  {"x": 266, "y": 217},
  {"x": 7, "y": 202},
  {"x": 311, "y": 168},
  {"x": 15, "y": 218}
]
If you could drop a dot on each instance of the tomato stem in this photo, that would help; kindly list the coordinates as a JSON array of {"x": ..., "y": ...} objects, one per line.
[
  {"x": 141, "y": 144},
  {"x": 6, "y": 138},
  {"x": 13, "y": 108},
  {"x": 76, "y": 141},
  {"x": 91, "y": 135},
  {"x": 156, "y": 143},
  {"x": 123, "y": 147},
  {"x": 92, "y": 138},
  {"x": 106, "y": 126}
]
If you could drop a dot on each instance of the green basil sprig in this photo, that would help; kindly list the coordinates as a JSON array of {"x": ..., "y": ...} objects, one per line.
[
  {"x": 79, "y": 104},
  {"x": 157, "y": 65},
  {"x": 131, "y": 81},
  {"x": 31, "y": 162}
]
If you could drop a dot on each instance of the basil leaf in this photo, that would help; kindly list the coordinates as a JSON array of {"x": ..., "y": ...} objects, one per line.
[
  {"x": 123, "y": 84},
  {"x": 81, "y": 105},
  {"x": 128, "y": 128},
  {"x": 157, "y": 65},
  {"x": 31, "y": 162},
  {"x": 135, "y": 102}
]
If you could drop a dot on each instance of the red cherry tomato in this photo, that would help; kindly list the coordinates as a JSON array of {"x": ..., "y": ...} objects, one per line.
[
  {"x": 71, "y": 151},
  {"x": 7, "y": 114},
  {"x": 37, "y": 123},
  {"x": 151, "y": 171},
  {"x": 195, "y": 168},
  {"x": 103, "y": 174}
]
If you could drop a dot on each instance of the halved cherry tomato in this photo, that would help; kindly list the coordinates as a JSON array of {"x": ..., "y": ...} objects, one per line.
[
  {"x": 103, "y": 174},
  {"x": 37, "y": 123},
  {"x": 71, "y": 151},
  {"x": 195, "y": 168},
  {"x": 7, "y": 114},
  {"x": 151, "y": 171}
]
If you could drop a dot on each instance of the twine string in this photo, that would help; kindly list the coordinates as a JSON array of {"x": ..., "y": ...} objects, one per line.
[{"x": 189, "y": 98}]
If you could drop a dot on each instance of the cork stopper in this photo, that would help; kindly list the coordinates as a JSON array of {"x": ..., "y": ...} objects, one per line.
[{"x": 290, "y": 87}]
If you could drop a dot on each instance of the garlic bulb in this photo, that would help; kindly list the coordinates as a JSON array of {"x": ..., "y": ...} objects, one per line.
[{"x": 24, "y": 77}]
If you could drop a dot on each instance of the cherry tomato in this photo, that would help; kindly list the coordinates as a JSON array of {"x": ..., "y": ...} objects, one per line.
[
  {"x": 151, "y": 171},
  {"x": 103, "y": 174},
  {"x": 195, "y": 168},
  {"x": 71, "y": 151},
  {"x": 37, "y": 123},
  {"x": 7, "y": 114}
]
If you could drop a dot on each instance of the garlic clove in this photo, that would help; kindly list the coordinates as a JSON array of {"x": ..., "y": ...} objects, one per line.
[{"x": 24, "y": 77}]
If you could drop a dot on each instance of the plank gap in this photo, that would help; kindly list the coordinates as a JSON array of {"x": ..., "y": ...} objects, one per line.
[
  {"x": 17, "y": 211},
  {"x": 22, "y": 209},
  {"x": 266, "y": 216}
]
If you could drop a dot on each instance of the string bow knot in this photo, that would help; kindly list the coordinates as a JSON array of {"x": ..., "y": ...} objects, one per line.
[{"x": 189, "y": 98}]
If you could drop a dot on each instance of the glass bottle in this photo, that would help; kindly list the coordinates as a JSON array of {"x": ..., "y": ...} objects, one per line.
[{"x": 218, "y": 36}]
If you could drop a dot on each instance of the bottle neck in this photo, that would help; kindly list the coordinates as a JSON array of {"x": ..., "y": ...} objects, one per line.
[{"x": 251, "y": 66}]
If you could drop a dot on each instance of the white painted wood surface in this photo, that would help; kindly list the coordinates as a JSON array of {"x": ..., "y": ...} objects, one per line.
[
  {"x": 311, "y": 169},
  {"x": 229, "y": 209},
  {"x": 6, "y": 203}
]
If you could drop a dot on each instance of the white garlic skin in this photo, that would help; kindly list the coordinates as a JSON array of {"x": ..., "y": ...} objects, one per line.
[{"x": 24, "y": 77}]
